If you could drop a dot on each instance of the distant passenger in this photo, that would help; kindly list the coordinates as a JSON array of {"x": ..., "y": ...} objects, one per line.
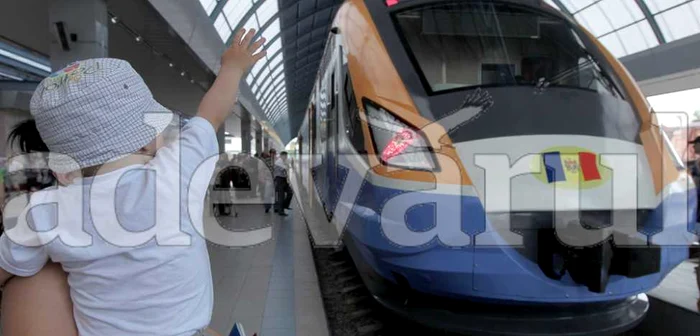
[
  {"x": 115, "y": 164},
  {"x": 268, "y": 192},
  {"x": 284, "y": 193}
]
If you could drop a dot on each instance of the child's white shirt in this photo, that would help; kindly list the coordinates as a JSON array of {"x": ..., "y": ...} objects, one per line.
[{"x": 149, "y": 289}]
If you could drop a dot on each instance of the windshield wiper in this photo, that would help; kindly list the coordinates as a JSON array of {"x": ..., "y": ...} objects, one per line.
[
  {"x": 596, "y": 72},
  {"x": 544, "y": 82}
]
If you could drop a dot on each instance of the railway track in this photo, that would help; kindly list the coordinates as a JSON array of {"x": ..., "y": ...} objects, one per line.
[{"x": 350, "y": 309}]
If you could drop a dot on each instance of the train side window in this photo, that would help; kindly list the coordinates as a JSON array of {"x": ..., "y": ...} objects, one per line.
[
  {"x": 314, "y": 132},
  {"x": 353, "y": 127}
]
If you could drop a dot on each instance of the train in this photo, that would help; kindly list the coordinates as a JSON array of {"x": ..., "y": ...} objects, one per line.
[{"x": 492, "y": 167}]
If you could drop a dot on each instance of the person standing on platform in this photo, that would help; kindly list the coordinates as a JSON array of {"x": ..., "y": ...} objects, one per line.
[
  {"x": 284, "y": 192},
  {"x": 266, "y": 182}
]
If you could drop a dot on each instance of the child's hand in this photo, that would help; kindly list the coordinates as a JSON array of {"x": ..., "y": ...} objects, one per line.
[
  {"x": 220, "y": 100},
  {"x": 242, "y": 54}
]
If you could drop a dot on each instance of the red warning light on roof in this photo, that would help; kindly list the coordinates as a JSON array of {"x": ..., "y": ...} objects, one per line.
[{"x": 390, "y": 3}]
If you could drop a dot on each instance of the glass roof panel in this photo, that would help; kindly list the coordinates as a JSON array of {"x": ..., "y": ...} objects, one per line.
[
  {"x": 252, "y": 23},
  {"x": 222, "y": 27},
  {"x": 612, "y": 42},
  {"x": 656, "y": 6},
  {"x": 266, "y": 11},
  {"x": 278, "y": 98},
  {"x": 638, "y": 37},
  {"x": 277, "y": 71},
  {"x": 208, "y": 5},
  {"x": 576, "y": 5},
  {"x": 271, "y": 79},
  {"x": 622, "y": 26},
  {"x": 277, "y": 104},
  {"x": 235, "y": 10},
  {"x": 264, "y": 90},
  {"x": 621, "y": 12},
  {"x": 594, "y": 20},
  {"x": 281, "y": 107},
  {"x": 265, "y": 82},
  {"x": 276, "y": 93},
  {"x": 264, "y": 72},
  {"x": 678, "y": 23},
  {"x": 276, "y": 60},
  {"x": 272, "y": 30},
  {"x": 276, "y": 85},
  {"x": 256, "y": 68},
  {"x": 274, "y": 47}
]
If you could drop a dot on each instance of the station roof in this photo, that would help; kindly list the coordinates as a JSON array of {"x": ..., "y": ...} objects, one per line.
[
  {"x": 296, "y": 32},
  {"x": 627, "y": 27}
]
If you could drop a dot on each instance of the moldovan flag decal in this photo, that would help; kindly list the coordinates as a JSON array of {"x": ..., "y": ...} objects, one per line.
[{"x": 571, "y": 167}]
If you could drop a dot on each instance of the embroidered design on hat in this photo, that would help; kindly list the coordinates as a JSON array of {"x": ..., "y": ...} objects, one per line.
[{"x": 72, "y": 73}]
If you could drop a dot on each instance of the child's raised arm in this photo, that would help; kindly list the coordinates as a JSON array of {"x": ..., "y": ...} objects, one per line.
[{"x": 218, "y": 103}]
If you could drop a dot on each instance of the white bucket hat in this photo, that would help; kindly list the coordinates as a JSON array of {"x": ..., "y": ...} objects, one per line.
[{"x": 96, "y": 111}]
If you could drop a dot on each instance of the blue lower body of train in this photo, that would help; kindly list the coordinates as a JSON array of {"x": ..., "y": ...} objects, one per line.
[
  {"x": 496, "y": 272},
  {"x": 502, "y": 275}
]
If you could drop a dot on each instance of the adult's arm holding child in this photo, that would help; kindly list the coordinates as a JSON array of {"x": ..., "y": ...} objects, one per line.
[
  {"x": 218, "y": 103},
  {"x": 4, "y": 276}
]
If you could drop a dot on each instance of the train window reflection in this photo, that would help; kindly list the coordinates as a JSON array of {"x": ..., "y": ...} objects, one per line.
[{"x": 461, "y": 45}]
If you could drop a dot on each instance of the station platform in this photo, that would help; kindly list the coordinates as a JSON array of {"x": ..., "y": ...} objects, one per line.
[
  {"x": 674, "y": 304},
  {"x": 271, "y": 289}
]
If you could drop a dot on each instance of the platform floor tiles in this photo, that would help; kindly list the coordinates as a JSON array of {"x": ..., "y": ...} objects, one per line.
[
  {"x": 271, "y": 288},
  {"x": 680, "y": 287}
]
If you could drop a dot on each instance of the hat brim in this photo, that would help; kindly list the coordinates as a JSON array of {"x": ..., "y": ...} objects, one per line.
[{"x": 155, "y": 115}]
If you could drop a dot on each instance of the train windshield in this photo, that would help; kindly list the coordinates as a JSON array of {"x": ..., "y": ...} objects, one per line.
[{"x": 471, "y": 44}]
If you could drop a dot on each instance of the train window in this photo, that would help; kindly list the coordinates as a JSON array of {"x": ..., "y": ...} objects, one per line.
[
  {"x": 353, "y": 127},
  {"x": 457, "y": 45},
  {"x": 333, "y": 92},
  {"x": 313, "y": 130}
]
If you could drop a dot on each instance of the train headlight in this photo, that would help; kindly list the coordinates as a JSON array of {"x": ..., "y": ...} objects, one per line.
[{"x": 396, "y": 143}]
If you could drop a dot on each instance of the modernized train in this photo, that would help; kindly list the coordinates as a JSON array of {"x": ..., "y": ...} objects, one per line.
[{"x": 419, "y": 101}]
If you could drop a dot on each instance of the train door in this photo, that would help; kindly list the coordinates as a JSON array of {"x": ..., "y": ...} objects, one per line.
[{"x": 332, "y": 144}]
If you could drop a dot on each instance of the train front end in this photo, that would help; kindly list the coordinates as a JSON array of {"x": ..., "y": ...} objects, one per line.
[{"x": 518, "y": 177}]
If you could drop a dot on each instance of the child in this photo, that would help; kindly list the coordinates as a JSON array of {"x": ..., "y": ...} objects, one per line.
[{"x": 93, "y": 111}]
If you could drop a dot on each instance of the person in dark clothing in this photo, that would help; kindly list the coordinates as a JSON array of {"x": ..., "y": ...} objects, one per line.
[
  {"x": 270, "y": 192},
  {"x": 284, "y": 192}
]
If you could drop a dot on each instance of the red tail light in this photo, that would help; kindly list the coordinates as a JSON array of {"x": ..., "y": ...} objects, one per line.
[{"x": 390, "y": 3}]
